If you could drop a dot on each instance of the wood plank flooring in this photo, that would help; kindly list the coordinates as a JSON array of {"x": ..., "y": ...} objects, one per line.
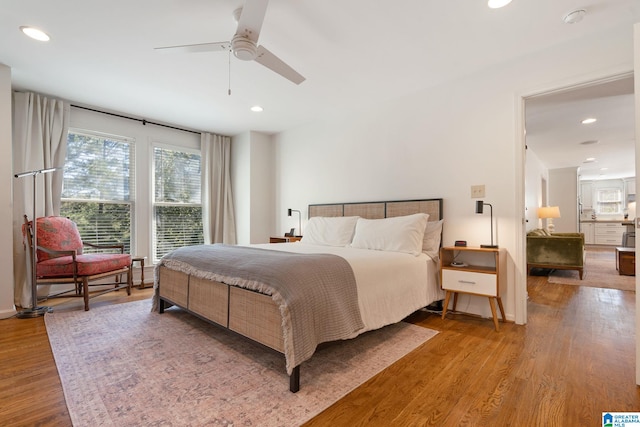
[{"x": 573, "y": 360}]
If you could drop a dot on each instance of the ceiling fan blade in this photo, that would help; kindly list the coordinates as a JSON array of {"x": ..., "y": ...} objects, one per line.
[
  {"x": 251, "y": 19},
  {"x": 200, "y": 47},
  {"x": 275, "y": 64}
]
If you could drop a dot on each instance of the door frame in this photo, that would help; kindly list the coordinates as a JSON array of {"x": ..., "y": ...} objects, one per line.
[{"x": 521, "y": 296}]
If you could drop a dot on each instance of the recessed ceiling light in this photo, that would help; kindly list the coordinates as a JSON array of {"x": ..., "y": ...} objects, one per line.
[
  {"x": 589, "y": 120},
  {"x": 589, "y": 160},
  {"x": 35, "y": 33},
  {"x": 574, "y": 16},
  {"x": 495, "y": 4},
  {"x": 257, "y": 109}
]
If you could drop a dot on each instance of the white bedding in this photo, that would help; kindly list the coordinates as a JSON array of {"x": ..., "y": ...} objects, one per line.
[{"x": 391, "y": 285}]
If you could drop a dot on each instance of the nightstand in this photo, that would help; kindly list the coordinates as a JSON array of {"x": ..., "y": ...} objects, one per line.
[
  {"x": 284, "y": 239},
  {"x": 482, "y": 272}
]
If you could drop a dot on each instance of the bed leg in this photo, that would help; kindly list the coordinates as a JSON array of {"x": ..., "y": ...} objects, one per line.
[
  {"x": 294, "y": 380},
  {"x": 161, "y": 305}
]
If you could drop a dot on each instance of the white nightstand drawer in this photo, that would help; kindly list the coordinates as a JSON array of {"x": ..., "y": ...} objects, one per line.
[{"x": 468, "y": 281}]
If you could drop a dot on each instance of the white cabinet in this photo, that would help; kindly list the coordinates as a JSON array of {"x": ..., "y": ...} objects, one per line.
[
  {"x": 609, "y": 233},
  {"x": 630, "y": 186},
  {"x": 586, "y": 194},
  {"x": 588, "y": 229}
]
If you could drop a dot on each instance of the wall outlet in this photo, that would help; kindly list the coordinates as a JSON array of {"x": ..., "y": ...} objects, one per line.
[{"x": 477, "y": 191}]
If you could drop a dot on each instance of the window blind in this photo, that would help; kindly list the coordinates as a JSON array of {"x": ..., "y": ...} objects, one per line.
[
  {"x": 98, "y": 187},
  {"x": 177, "y": 206}
]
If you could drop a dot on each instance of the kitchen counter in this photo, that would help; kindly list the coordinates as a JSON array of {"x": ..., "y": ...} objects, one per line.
[
  {"x": 612, "y": 232},
  {"x": 610, "y": 221}
]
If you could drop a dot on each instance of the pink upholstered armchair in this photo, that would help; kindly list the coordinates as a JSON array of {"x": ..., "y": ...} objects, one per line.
[{"x": 60, "y": 260}]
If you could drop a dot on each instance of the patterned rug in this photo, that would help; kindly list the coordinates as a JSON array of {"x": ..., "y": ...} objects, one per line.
[
  {"x": 123, "y": 365},
  {"x": 599, "y": 272}
]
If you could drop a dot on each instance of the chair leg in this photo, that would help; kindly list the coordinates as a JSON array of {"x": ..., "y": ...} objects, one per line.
[
  {"x": 85, "y": 287},
  {"x": 129, "y": 281}
]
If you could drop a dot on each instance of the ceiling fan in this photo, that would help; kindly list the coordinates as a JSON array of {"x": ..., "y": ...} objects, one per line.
[{"x": 244, "y": 43}]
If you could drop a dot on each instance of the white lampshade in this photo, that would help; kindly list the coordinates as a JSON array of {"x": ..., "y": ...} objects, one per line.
[{"x": 549, "y": 212}]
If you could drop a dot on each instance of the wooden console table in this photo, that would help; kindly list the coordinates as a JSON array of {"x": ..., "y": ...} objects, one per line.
[{"x": 626, "y": 261}]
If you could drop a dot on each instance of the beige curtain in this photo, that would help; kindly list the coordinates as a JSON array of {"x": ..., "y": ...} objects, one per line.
[
  {"x": 40, "y": 126},
  {"x": 217, "y": 200}
]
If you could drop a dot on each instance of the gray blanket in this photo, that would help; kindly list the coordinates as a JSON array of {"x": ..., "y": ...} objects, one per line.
[{"x": 316, "y": 293}]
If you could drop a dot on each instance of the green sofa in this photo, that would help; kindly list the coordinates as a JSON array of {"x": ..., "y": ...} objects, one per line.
[{"x": 560, "y": 251}]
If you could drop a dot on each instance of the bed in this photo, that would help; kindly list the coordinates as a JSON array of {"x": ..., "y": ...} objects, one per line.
[{"x": 359, "y": 267}]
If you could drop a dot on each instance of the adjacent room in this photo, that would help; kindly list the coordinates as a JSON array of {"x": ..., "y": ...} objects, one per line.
[
  {"x": 259, "y": 212},
  {"x": 581, "y": 183}
]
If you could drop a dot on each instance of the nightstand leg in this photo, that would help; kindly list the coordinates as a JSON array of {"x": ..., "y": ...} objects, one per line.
[
  {"x": 455, "y": 300},
  {"x": 504, "y": 319},
  {"x": 446, "y": 304},
  {"x": 492, "y": 303}
]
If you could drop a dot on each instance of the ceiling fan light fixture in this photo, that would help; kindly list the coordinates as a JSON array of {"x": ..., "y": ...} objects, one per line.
[
  {"x": 244, "y": 48},
  {"x": 35, "y": 33},
  {"x": 496, "y": 4}
]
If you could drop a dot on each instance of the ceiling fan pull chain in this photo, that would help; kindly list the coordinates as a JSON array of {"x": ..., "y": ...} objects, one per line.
[{"x": 229, "y": 72}]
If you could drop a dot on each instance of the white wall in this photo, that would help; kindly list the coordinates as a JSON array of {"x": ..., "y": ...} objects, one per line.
[
  {"x": 241, "y": 185},
  {"x": 440, "y": 141},
  {"x": 7, "y": 309},
  {"x": 535, "y": 172},
  {"x": 563, "y": 192},
  {"x": 636, "y": 49},
  {"x": 252, "y": 174}
]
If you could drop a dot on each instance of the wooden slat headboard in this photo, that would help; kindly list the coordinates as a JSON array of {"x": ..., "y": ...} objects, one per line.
[{"x": 377, "y": 210}]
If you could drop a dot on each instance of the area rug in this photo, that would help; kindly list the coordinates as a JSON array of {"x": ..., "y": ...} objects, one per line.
[
  {"x": 599, "y": 272},
  {"x": 121, "y": 365}
]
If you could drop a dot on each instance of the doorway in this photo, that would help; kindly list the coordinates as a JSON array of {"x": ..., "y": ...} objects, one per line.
[{"x": 555, "y": 138}]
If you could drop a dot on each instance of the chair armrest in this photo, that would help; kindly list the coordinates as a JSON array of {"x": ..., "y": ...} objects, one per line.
[
  {"x": 113, "y": 246},
  {"x": 57, "y": 254}
]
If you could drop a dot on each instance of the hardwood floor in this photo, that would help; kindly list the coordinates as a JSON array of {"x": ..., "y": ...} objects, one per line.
[{"x": 573, "y": 360}]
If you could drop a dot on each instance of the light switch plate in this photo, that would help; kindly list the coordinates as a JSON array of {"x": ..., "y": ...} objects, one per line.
[{"x": 477, "y": 191}]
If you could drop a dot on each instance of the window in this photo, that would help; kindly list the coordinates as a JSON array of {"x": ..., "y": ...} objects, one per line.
[
  {"x": 177, "y": 209},
  {"x": 609, "y": 201},
  {"x": 98, "y": 187}
]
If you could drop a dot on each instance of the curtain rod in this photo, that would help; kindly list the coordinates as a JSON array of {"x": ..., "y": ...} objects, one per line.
[{"x": 143, "y": 121}]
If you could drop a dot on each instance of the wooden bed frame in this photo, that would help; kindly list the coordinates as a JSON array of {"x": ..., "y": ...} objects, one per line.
[{"x": 255, "y": 315}]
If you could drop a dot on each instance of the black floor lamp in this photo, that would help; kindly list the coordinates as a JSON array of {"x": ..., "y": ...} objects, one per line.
[{"x": 34, "y": 311}]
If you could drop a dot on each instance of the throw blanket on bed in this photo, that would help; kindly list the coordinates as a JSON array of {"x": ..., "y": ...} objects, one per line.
[{"x": 316, "y": 293}]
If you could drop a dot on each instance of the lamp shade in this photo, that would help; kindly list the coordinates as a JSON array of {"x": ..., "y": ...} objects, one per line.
[{"x": 549, "y": 212}]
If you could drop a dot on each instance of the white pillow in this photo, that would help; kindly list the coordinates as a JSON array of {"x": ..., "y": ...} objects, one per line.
[
  {"x": 330, "y": 231},
  {"x": 396, "y": 234},
  {"x": 432, "y": 236}
]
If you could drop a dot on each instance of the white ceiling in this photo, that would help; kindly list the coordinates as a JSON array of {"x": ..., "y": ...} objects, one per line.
[{"x": 353, "y": 53}]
